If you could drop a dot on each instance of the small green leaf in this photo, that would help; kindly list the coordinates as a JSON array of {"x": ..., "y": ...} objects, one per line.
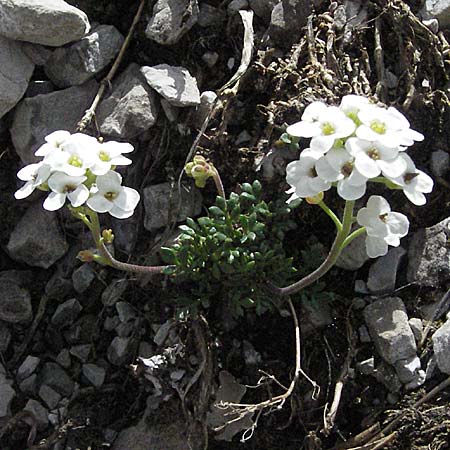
[
  {"x": 221, "y": 203},
  {"x": 248, "y": 196},
  {"x": 257, "y": 187},
  {"x": 168, "y": 255},
  {"x": 247, "y": 187},
  {"x": 216, "y": 211},
  {"x": 204, "y": 221}
]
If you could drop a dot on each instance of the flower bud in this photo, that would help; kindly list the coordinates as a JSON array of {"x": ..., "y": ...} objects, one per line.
[
  {"x": 85, "y": 256},
  {"x": 315, "y": 200},
  {"x": 108, "y": 236}
]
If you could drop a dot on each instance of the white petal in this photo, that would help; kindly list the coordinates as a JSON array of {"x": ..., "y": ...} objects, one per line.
[
  {"x": 424, "y": 182},
  {"x": 366, "y": 165},
  {"x": 59, "y": 181},
  {"x": 398, "y": 223},
  {"x": 29, "y": 172},
  {"x": 26, "y": 190},
  {"x": 114, "y": 148},
  {"x": 378, "y": 205},
  {"x": 120, "y": 213},
  {"x": 127, "y": 199},
  {"x": 120, "y": 161},
  {"x": 350, "y": 192},
  {"x": 99, "y": 203},
  {"x": 366, "y": 133},
  {"x": 415, "y": 197},
  {"x": 54, "y": 201},
  {"x": 101, "y": 167},
  {"x": 303, "y": 129},
  {"x": 393, "y": 168},
  {"x": 375, "y": 247},
  {"x": 79, "y": 196},
  {"x": 322, "y": 143},
  {"x": 326, "y": 171},
  {"x": 57, "y": 137},
  {"x": 313, "y": 111},
  {"x": 110, "y": 182}
]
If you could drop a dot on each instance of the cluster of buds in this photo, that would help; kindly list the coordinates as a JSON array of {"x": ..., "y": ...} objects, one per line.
[
  {"x": 200, "y": 170},
  {"x": 351, "y": 144},
  {"x": 81, "y": 170}
]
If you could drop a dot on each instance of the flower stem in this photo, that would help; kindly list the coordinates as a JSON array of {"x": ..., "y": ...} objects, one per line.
[
  {"x": 352, "y": 236},
  {"x": 332, "y": 215},
  {"x": 329, "y": 262},
  {"x": 218, "y": 183}
]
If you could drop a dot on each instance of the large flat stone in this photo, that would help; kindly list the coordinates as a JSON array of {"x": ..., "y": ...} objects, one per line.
[
  {"x": 46, "y": 22},
  {"x": 15, "y": 73}
]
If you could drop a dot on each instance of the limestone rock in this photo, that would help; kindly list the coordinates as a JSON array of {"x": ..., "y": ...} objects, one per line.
[
  {"x": 7, "y": 394},
  {"x": 54, "y": 376},
  {"x": 75, "y": 64},
  {"x": 175, "y": 84},
  {"x": 15, "y": 303},
  {"x": 429, "y": 255},
  {"x": 46, "y": 22},
  {"x": 15, "y": 73},
  {"x": 383, "y": 272},
  {"x": 388, "y": 325},
  {"x": 130, "y": 109},
  {"x": 437, "y": 9},
  {"x": 37, "y": 240},
  {"x": 441, "y": 347},
  {"x": 171, "y": 19},
  {"x": 39, "y": 116}
]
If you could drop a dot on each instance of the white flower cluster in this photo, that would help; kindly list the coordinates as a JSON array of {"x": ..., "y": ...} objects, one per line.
[
  {"x": 350, "y": 145},
  {"x": 80, "y": 169}
]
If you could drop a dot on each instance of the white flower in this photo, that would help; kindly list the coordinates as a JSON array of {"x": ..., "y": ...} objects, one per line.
[
  {"x": 75, "y": 157},
  {"x": 351, "y": 104},
  {"x": 324, "y": 125},
  {"x": 110, "y": 196},
  {"x": 387, "y": 126},
  {"x": 303, "y": 178},
  {"x": 64, "y": 186},
  {"x": 54, "y": 141},
  {"x": 338, "y": 166},
  {"x": 414, "y": 182},
  {"x": 383, "y": 227},
  {"x": 372, "y": 158},
  {"x": 110, "y": 154},
  {"x": 34, "y": 175}
]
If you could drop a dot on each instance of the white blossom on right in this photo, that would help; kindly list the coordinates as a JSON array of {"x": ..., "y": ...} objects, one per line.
[{"x": 383, "y": 226}]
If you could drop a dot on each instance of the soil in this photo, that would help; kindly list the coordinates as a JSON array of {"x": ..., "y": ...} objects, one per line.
[{"x": 279, "y": 83}]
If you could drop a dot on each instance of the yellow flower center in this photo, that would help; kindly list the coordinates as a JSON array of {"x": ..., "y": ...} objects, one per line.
[
  {"x": 68, "y": 188},
  {"x": 312, "y": 172},
  {"x": 373, "y": 153},
  {"x": 75, "y": 161},
  {"x": 327, "y": 128},
  {"x": 378, "y": 127},
  {"x": 104, "y": 156},
  {"x": 383, "y": 217}
]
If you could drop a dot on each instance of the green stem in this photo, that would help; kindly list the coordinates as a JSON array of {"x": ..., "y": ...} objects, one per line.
[
  {"x": 107, "y": 258},
  {"x": 329, "y": 262},
  {"x": 332, "y": 215},
  {"x": 352, "y": 236}
]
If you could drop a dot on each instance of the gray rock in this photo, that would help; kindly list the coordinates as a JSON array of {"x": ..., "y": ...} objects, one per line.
[
  {"x": 83, "y": 277},
  {"x": 5, "y": 337},
  {"x": 32, "y": 121},
  {"x": 114, "y": 291},
  {"x": 210, "y": 16},
  {"x": 173, "y": 83},
  {"x": 50, "y": 397},
  {"x": 81, "y": 352},
  {"x": 263, "y": 8},
  {"x": 418, "y": 380},
  {"x": 66, "y": 313},
  {"x": 37, "y": 240},
  {"x": 46, "y": 22},
  {"x": 210, "y": 59},
  {"x": 15, "y": 303},
  {"x": 159, "y": 201},
  {"x": 431, "y": 367},
  {"x": 364, "y": 335},
  {"x": 287, "y": 19},
  {"x": 15, "y": 73},
  {"x": 417, "y": 328},
  {"x": 432, "y": 24},
  {"x": 7, "y": 394},
  {"x": 314, "y": 315},
  {"x": 95, "y": 374},
  {"x": 171, "y": 112},
  {"x": 429, "y": 255},
  {"x": 38, "y": 54},
  {"x": 126, "y": 311},
  {"x": 27, "y": 367},
  {"x": 388, "y": 325},
  {"x": 441, "y": 347},
  {"x": 40, "y": 414},
  {"x": 383, "y": 272},
  {"x": 171, "y": 19},
  {"x": 354, "y": 256},
  {"x": 437, "y": 9},
  {"x": 28, "y": 386},
  {"x": 407, "y": 369},
  {"x": 130, "y": 108},
  {"x": 356, "y": 13},
  {"x": 386, "y": 375},
  {"x": 63, "y": 358},
  {"x": 111, "y": 322},
  {"x": 440, "y": 163},
  {"x": 235, "y": 6},
  {"x": 125, "y": 329},
  {"x": 79, "y": 62},
  {"x": 54, "y": 376},
  {"x": 121, "y": 350}
]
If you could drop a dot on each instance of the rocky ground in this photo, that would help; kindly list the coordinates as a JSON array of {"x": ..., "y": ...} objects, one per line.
[{"x": 92, "y": 358}]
